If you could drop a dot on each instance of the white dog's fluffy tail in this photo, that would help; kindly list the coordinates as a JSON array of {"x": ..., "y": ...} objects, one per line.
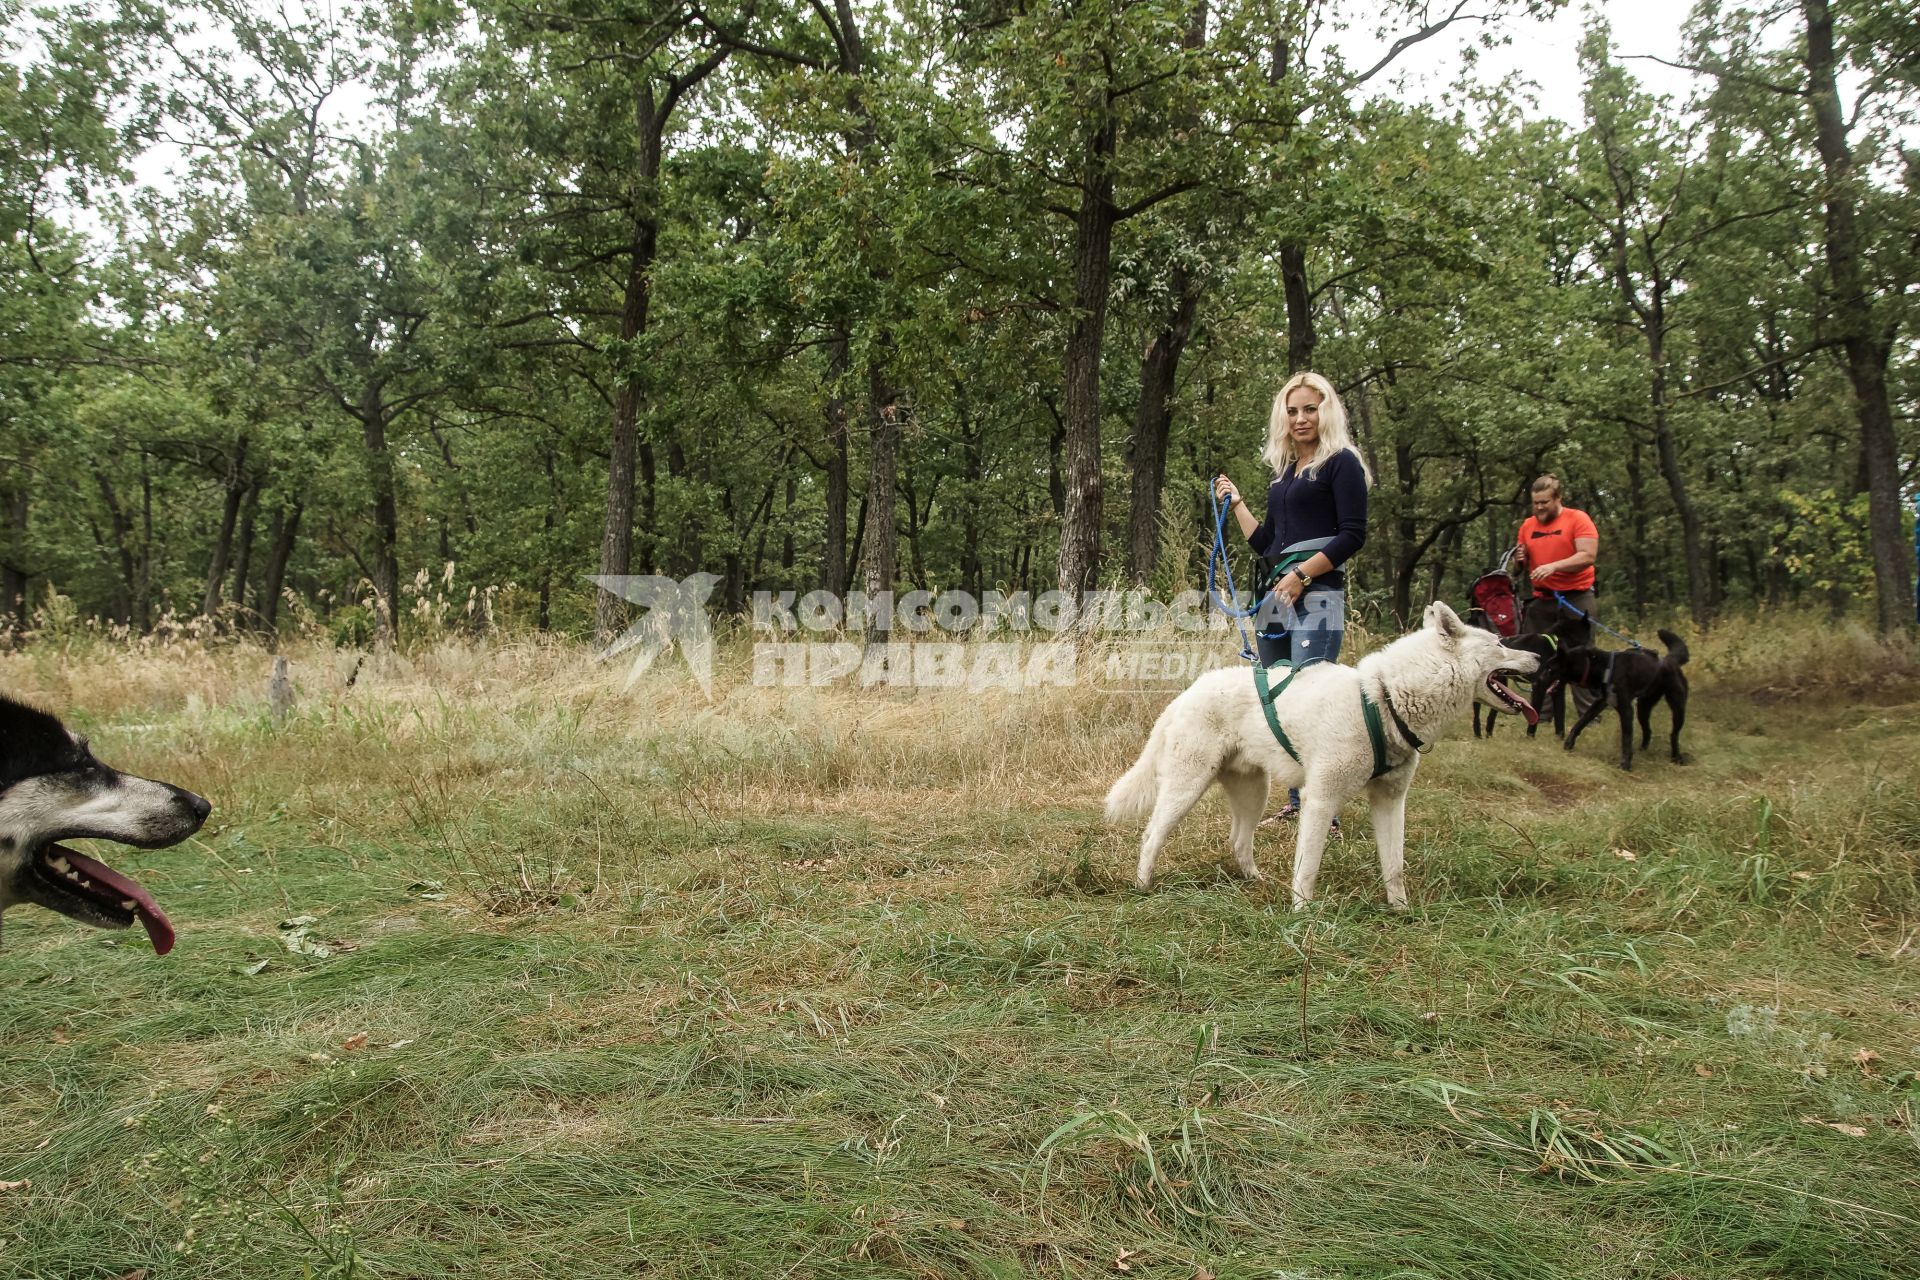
[{"x": 1132, "y": 797}]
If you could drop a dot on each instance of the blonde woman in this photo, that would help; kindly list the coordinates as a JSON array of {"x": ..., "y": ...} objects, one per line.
[{"x": 1316, "y": 519}]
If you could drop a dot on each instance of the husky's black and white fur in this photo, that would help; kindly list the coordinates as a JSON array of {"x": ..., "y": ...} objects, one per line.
[{"x": 52, "y": 789}]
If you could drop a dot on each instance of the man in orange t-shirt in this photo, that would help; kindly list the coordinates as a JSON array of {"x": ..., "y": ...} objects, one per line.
[{"x": 1558, "y": 545}]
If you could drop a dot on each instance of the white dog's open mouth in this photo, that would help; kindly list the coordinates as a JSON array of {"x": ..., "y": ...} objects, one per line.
[
  {"x": 93, "y": 892},
  {"x": 1513, "y": 702}
]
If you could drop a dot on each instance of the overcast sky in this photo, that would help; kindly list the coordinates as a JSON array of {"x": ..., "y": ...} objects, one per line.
[{"x": 1547, "y": 53}]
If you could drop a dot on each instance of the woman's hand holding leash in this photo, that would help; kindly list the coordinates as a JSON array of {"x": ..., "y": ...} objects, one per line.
[{"x": 1225, "y": 491}]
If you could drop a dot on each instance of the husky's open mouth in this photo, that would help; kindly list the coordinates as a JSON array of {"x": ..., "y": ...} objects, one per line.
[
  {"x": 1514, "y": 703},
  {"x": 94, "y": 893}
]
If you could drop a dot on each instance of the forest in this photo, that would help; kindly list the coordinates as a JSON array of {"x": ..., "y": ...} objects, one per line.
[{"x": 442, "y": 308}]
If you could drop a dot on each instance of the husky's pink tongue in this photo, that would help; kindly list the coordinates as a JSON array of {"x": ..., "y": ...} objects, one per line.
[
  {"x": 1527, "y": 709},
  {"x": 155, "y": 921}
]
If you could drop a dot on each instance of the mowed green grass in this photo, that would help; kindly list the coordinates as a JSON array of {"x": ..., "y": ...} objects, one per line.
[{"x": 808, "y": 983}]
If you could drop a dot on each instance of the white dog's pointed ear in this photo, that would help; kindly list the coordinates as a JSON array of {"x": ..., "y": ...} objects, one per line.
[{"x": 1443, "y": 619}]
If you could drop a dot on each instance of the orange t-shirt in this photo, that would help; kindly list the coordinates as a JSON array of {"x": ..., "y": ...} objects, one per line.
[{"x": 1553, "y": 541}]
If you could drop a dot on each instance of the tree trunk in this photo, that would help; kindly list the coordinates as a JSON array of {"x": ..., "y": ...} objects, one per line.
[
  {"x": 879, "y": 564},
  {"x": 143, "y": 599},
  {"x": 386, "y": 515},
  {"x": 467, "y": 516},
  {"x": 1407, "y": 556},
  {"x": 972, "y": 571},
  {"x": 229, "y": 514},
  {"x": 543, "y": 617},
  {"x": 1853, "y": 317},
  {"x": 1301, "y": 338},
  {"x": 1159, "y": 368},
  {"x": 1637, "y": 502},
  {"x": 916, "y": 564},
  {"x": 616, "y": 542},
  {"x": 1448, "y": 546},
  {"x": 286, "y": 527},
  {"x": 859, "y": 536},
  {"x": 732, "y": 565},
  {"x": 786, "y": 526},
  {"x": 1056, "y": 470},
  {"x": 834, "y": 560},
  {"x": 649, "y": 498},
  {"x": 1092, "y": 270},
  {"x": 123, "y": 549},
  {"x": 13, "y": 570},
  {"x": 1699, "y": 598},
  {"x": 1153, "y": 422},
  {"x": 243, "y": 560}
]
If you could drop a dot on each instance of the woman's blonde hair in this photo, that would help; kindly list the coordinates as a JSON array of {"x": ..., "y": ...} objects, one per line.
[{"x": 1334, "y": 435}]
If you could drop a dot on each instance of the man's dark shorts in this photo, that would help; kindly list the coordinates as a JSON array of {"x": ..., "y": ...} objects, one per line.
[{"x": 1544, "y": 612}]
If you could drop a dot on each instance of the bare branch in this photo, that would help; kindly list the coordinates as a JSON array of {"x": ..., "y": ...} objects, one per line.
[{"x": 1407, "y": 42}]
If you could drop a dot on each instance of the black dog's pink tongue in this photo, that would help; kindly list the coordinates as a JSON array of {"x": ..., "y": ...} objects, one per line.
[{"x": 152, "y": 918}]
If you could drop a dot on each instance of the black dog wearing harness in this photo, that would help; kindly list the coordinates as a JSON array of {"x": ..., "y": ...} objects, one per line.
[{"x": 1629, "y": 679}]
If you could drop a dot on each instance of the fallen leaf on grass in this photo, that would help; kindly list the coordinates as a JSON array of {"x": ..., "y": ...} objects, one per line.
[
  {"x": 358, "y": 1040},
  {"x": 296, "y": 936},
  {"x": 1120, "y": 1263},
  {"x": 138, "y": 1274},
  {"x": 1626, "y": 855},
  {"x": 1201, "y": 1273},
  {"x": 1851, "y": 1130},
  {"x": 1864, "y": 1059},
  {"x": 1702, "y": 1070},
  {"x": 255, "y": 969},
  {"x": 25, "y": 1184}
]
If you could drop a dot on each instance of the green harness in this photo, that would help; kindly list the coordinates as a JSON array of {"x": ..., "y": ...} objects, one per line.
[
  {"x": 1369, "y": 711},
  {"x": 1288, "y": 559}
]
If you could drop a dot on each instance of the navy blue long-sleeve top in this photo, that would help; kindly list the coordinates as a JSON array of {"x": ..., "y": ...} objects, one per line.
[{"x": 1331, "y": 503}]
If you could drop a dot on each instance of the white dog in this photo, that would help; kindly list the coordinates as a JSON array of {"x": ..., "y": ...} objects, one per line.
[{"x": 1217, "y": 731}]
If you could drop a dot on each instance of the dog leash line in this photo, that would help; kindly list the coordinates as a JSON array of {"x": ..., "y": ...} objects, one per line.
[{"x": 1567, "y": 604}]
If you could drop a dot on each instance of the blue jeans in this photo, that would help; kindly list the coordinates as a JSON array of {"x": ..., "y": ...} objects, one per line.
[{"x": 1312, "y": 630}]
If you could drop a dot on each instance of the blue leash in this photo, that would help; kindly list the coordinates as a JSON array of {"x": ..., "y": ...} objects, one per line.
[
  {"x": 1231, "y": 605},
  {"x": 1596, "y": 622}
]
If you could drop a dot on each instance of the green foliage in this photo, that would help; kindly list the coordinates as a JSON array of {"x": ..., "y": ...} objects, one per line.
[
  {"x": 383, "y": 308},
  {"x": 1822, "y": 542}
]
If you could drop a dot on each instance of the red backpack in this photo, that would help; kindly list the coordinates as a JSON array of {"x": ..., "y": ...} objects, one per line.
[{"x": 1492, "y": 594}]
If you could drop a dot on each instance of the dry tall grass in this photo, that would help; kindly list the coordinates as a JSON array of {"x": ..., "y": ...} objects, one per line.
[{"x": 843, "y": 981}]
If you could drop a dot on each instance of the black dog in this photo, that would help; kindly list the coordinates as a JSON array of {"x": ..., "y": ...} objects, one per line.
[
  {"x": 52, "y": 789},
  {"x": 1628, "y": 678},
  {"x": 1542, "y": 647}
]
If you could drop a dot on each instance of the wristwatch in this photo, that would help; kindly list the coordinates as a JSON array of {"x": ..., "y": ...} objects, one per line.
[{"x": 1306, "y": 579}]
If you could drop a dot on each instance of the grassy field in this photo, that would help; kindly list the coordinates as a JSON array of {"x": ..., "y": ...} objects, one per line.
[{"x": 815, "y": 982}]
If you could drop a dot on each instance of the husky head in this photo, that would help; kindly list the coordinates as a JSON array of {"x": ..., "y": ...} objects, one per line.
[
  {"x": 1487, "y": 660},
  {"x": 52, "y": 789}
]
